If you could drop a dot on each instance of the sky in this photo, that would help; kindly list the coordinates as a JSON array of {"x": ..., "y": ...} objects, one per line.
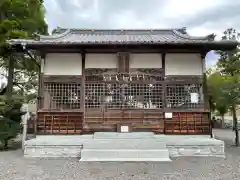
[{"x": 200, "y": 17}]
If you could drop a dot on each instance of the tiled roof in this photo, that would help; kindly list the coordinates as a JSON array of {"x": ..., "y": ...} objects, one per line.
[{"x": 128, "y": 36}]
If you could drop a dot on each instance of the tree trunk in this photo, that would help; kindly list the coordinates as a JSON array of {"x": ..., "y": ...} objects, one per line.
[
  {"x": 235, "y": 124},
  {"x": 10, "y": 78},
  {"x": 5, "y": 144},
  {"x": 222, "y": 122}
]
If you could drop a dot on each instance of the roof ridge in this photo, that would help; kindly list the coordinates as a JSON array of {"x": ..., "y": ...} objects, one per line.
[
  {"x": 120, "y": 29},
  {"x": 180, "y": 32}
]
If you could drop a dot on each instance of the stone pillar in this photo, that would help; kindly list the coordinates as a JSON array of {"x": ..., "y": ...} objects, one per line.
[{"x": 25, "y": 118}]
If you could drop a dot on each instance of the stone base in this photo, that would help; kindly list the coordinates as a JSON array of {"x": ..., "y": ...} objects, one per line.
[
  {"x": 194, "y": 145},
  {"x": 48, "y": 151},
  {"x": 54, "y": 146},
  {"x": 71, "y": 146}
]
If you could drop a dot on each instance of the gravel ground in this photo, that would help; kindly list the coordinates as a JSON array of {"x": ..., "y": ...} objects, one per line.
[{"x": 14, "y": 167}]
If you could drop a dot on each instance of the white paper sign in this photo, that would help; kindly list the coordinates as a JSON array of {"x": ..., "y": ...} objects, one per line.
[
  {"x": 168, "y": 115},
  {"x": 194, "y": 97},
  {"x": 124, "y": 129}
]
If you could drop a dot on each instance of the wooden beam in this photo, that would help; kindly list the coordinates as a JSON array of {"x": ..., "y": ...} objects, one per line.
[
  {"x": 62, "y": 78},
  {"x": 116, "y": 50}
]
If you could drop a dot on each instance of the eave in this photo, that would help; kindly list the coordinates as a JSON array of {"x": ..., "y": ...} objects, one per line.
[{"x": 72, "y": 47}]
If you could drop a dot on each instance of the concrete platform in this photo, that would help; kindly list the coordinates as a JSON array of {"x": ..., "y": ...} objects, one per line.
[
  {"x": 115, "y": 135},
  {"x": 143, "y": 144},
  {"x": 125, "y": 147},
  {"x": 72, "y": 146},
  {"x": 100, "y": 155}
]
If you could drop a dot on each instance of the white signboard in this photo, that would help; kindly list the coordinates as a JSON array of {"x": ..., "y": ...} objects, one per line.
[
  {"x": 168, "y": 115},
  {"x": 124, "y": 129},
  {"x": 194, "y": 97}
]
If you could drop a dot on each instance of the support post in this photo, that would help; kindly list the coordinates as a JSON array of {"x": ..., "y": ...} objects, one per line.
[
  {"x": 41, "y": 82},
  {"x": 83, "y": 54},
  {"x": 205, "y": 92},
  {"x": 123, "y": 68},
  {"x": 164, "y": 102},
  {"x": 40, "y": 99},
  {"x": 164, "y": 82},
  {"x": 123, "y": 62}
]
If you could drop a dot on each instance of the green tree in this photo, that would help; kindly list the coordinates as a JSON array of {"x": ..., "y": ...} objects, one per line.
[
  {"x": 216, "y": 88},
  {"x": 20, "y": 19},
  {"x": 222, "y": 109},
  {"x": 10, "y": 119},
  {"x": 229, "y": 65}
]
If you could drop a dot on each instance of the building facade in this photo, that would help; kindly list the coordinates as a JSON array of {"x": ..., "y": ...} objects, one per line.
[{"x": 122, "y": 81}]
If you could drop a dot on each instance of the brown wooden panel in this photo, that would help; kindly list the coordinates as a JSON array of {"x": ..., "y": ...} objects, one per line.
[
  {"x": 188, "y": 123},
  {"x": 140, "y": 120},
  {"x": 59, "y": 122}
]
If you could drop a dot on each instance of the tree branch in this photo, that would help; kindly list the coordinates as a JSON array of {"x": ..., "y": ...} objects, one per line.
[{"x": 32, "y": 58}]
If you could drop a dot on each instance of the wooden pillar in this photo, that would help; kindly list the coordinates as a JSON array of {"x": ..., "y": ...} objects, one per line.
[
  {"x": 40, "y": 97},
  {"x": 164, "y": 102},
  {"x": 41, "y": 81},
  {"x": 123, "y": 67},
  {"x": 205, "y": 91},
  {"x": 123, "y": 62},
  {"x": 83, "y": 54},
  {"x": 164, "y": 83}
]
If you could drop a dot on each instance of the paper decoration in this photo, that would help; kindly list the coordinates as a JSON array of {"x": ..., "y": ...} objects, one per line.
[
  {"x": 194, "y": 97},
  {"x": 124, "y": 129},
  {"x": 168, "y": 115}
]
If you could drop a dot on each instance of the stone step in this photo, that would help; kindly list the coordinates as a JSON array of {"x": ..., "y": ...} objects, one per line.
[
  {"x": 52, "y": 151},
  {"x": 124, "y": 155},
  {"x": 143, "y": 144},
  {"x": 132, "y": 135}
]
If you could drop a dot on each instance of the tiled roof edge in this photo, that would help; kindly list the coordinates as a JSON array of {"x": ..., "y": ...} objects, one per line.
[
  {"x": 27, "y": 41},
  {"x": 54, "y": 36},
  {"x": 209, "y": 37}
]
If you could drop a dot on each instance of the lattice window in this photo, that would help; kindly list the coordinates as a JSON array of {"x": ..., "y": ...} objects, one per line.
[
  {"x": 62, "y": 95},
  {"x": 115, "y": 95},
  {"x": 137, "y": 89},
  {"x": 184, "y": 96}
]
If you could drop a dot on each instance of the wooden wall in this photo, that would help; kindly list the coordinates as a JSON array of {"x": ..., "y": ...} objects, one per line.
[{"x": 188, "y": 119}]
